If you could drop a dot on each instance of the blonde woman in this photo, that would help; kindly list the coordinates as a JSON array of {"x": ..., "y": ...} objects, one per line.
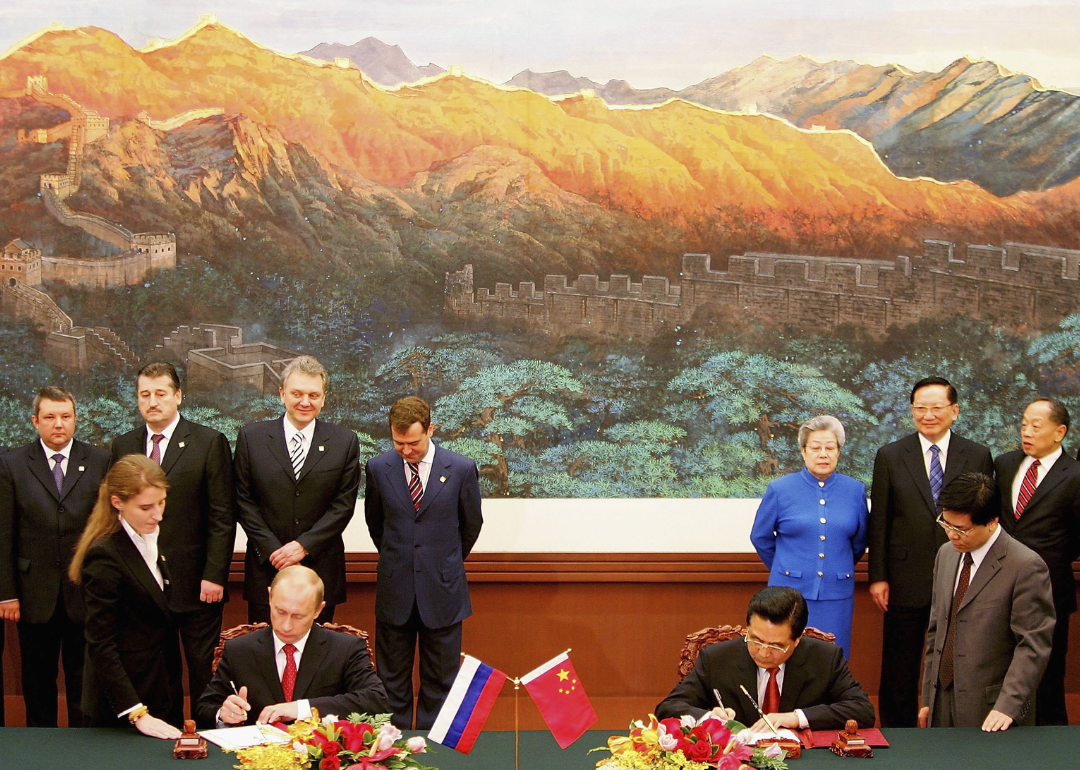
[{"x": 132, "y": 672}]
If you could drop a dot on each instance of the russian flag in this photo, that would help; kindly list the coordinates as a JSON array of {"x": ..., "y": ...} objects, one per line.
[{"x": 467, "y": 706}]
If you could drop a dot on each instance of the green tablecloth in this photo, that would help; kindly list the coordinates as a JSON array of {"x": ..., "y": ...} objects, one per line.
[{"x": 1056, "y": 748}]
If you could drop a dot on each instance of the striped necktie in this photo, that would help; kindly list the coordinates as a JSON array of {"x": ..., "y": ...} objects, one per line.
[
  {"x": 1027, "y": 488},
  {"x": 937, "y": 476},
  {"x": 416, "y": 489},
  {"x": 296, "y": 454}
]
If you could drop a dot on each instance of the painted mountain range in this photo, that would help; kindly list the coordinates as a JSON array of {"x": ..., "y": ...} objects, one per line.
[{"x": 454, "y": 169}]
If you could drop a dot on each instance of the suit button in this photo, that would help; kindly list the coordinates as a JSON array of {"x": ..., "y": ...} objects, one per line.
[
  {"x": 786, "y": 572},
  {"x": 823, "y": 538},
  {"x": 821, "y": 556},
  {"x": 296, "y": 521},
  {"x": 416, "y": 546},
  {"x": 821, "y": 501},
  {"x": 297, "y": 493},
  {"x": 60, "y": 509},
  {"x": 821, "y": 574},
  {"x": 822, "y": 520}
]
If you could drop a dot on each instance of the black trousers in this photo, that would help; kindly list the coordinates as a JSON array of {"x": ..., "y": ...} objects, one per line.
[
  {"x": 1050, "y": 697},
  {"x": 260, "y": 613},
  {"x": 41, "y": 646},
  {"x": 200, "y": 631},
  {"x": 903, "y": 638},
  {"x": 395, "y": 650},
  {"x": 2, "y": 673}
]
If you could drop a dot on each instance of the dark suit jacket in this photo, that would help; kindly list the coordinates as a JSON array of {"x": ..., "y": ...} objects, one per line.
[
  {"x": 132, "y": 648},
  {"x": 1003, "y": 630},
  {"x": 335, "y": 675},
  {"x": 816, "y": 680},
  {"x": 1050, "y": 524},
  {"x": 39, "y": 528},
  {"x": 422, "y": 553},
  {"x": 275, "y": 508},
  {"x": 904, "y": 537},
  {"x": 199, "y": 526}
]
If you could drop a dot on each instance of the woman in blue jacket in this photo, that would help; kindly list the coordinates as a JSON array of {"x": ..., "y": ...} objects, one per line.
[{"x": 810, "y": 529}]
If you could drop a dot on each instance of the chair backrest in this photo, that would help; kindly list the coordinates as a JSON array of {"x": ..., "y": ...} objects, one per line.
[
  {"x": 706, "y": 636},
  {"x": 247, "y": 628}
]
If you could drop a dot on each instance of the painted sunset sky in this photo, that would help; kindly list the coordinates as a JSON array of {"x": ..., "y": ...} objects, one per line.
[{"x": 647, "y": 43}]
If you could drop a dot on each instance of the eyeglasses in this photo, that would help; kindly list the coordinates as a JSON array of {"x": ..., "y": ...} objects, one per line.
[
  {"x": 827, "y": 448},
  {"x": 763, "y": 646},
  {"x": 937, "y": 411},
  {"x": 950, "y": 528}
]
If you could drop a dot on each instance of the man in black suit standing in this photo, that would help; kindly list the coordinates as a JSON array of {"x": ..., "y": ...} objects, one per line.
[
  {"x": 296, "y": 484},
  {"x": 284, "y": 671},
  {"x": 2, "y": 451},
  {"x": 904, "y": 538},
  {"x": 422, "y": 505},
  {"x": 47, "y": 490},
  {"x": 1040, "y": 506},
  {"x": 198, "y": 531}
]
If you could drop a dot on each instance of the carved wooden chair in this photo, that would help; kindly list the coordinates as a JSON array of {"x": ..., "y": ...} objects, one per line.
[
  {"x": 247, "y": 628},
  {"x": 706, "y": 636}
]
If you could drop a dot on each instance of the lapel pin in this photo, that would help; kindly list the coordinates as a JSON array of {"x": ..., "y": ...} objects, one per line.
[
  {"x": 181, "y": 445},
  {"x": 82, "y": 468},
  {"x": 442, "y": 479},
  {"x": 322, "y": 448}
]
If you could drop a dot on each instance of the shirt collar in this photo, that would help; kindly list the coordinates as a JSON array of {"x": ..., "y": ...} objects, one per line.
[
  {"x": 65, "y": 451},
  {"x": 136, "y": 537},
  {"x": 1046, "y": 462},
  {"x": 299, "y": 645},
  {"x": 942, "y": 444},
  {"x": 428, "y": 458},
  {"x": 979, "y": 553},
  {"x": 167, "y": 431},
  {"x": 290, "y": 430}
]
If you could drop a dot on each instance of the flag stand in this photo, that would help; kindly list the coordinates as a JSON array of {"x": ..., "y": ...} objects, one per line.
[{"x": 517, "y": 730}]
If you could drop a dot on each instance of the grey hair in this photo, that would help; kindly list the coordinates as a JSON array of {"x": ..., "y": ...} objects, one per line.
[
  {"x": 821, "y": 422},
  {"x": 308, "y": 365}
]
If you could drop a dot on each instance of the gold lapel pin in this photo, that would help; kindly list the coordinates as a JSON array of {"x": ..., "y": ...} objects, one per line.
[
  {"x": 82, "y": 468},
  {"x": 442, "y": 479},
  {"x": 322, "y": 449},
  {"x": 181, "y": 444}
]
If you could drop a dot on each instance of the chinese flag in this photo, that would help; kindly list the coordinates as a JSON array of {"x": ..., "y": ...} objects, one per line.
[{"x": 558, "y": 693}]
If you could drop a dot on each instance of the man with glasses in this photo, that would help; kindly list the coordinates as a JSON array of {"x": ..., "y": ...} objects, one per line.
[
  {"x": 1040, "y": 507},
  {"x": 798, "y": 681},
  {"x": 908, "y": 477},
  {"x": 991, "y": 620}
]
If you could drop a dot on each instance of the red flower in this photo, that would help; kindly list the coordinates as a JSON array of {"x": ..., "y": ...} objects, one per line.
[
  {"x": 684, "y": 746},
  {"x": 700, "y": 751},
  {"x": 718, "y": 733},
  {"x": 352, "y": 735},
  {"x": 673, "y": 726},
  {"x": 729, "y": 762},
  {"x": 699, "y": 733},
  {"x": 330, "y": 763},
  {"x": 331, "y": 748},
  {"x": 742, "y": 752}
]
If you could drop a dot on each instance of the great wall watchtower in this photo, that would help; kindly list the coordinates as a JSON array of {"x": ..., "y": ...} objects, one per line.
[{"x": 1036, "y": 285}]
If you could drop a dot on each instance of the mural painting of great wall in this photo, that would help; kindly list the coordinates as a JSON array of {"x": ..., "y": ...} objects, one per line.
[{"x": 605, "y": 291}]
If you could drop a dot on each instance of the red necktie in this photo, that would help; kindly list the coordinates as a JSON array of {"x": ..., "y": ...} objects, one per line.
[
  {"x": 155, "y": 453},
  {"x": 288, "y": 678},
  {"x": 771, "y": 704},
  {"x": 1027, "y": 488},
  {"x": 416, "y": 489}
]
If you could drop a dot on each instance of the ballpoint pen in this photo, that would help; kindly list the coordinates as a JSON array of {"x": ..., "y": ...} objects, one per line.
[{"x": 759, "y": 711}]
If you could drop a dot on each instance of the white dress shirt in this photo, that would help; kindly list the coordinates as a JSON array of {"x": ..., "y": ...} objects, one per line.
[
  {"x": 977, "y": 557},
  {"x": 1045, "y": 464},
  {"x": 303, "y": 707},
  {"x": 424, "y": 468},
  {"x": 148, "y": 549},
  {"x": 65, "y": 451},
  {"x": 167, "y": 433},
  {"x": 942, "y": 445},
  {"x": 308, "y": 434}
]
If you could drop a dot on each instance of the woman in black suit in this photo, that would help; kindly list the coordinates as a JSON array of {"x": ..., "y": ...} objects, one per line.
[{"x": 132, "y": 672}]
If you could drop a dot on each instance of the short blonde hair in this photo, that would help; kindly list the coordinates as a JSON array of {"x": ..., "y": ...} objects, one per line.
[
  {"x": 821, "y": 422},
  {"x": 299, "y": 575},
  {"x": 308, "y": 365}
]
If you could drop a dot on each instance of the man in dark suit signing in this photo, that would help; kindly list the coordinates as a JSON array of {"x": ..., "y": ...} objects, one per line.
[
  {"x": 1039, "y": 488},
  {"x": 283, "y": 672},
  {"x": 296, "y": 484},
  {"x": 909, "y": 474},
  {"x": 47, "y": 490},
  {"x": 991, "y": 620},
  {"x": 198, "y": 534},
  {"x": 422, "y": 505},
  {"x": 798, "y": 681}
]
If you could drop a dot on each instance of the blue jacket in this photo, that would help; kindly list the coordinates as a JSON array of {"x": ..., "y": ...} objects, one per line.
[{"x": 810, "y": 533}]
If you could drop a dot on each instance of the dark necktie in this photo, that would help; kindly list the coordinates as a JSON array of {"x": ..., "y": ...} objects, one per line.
[
  {"x": 936, "y": 474},
  {"x": 771, "y": 704},
  {"x": 416, "y": 489},
  {"x": 155, "y": 453},
  {"x": 945, "y": 669},
  {"x": 1027, "y": 488},
  {"x": 288, "y": 677},
  {"x": 58, "y": 471}
]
